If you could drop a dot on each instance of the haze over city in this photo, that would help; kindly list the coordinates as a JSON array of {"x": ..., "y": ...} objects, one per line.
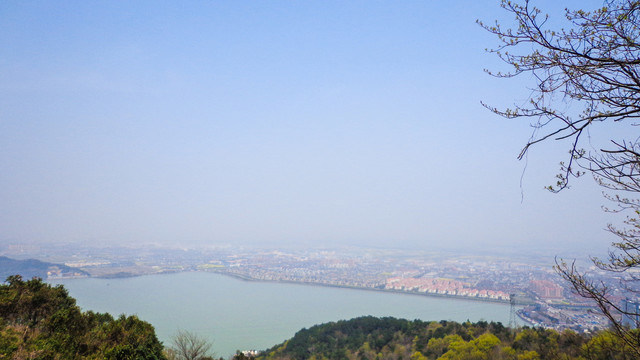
[{"x": 275, "y": 124}]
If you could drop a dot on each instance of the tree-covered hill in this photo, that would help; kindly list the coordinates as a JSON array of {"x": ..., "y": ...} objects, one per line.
[
  {"x": 40, "y": 321},
  {"x": 35, "y": 268},
  {"x": 389, "y": 338}
]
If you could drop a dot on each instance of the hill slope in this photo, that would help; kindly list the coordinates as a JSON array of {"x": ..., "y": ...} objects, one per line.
[
  {"x": 40, "y": 321},
  {"x": 389, "y": 338}
]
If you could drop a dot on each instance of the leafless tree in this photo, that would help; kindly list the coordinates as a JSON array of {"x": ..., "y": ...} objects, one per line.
[
  {"x": 189, "y": 346},
  {"x": 585, "y": 74}
]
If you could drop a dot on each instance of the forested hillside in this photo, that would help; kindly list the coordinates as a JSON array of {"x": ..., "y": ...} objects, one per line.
[
  {"x": 40, "y": 321},
  {"x": 389, "y": 338}
]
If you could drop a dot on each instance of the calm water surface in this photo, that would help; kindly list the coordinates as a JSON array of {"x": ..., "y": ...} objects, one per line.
[{"x": 237, "y": 314}]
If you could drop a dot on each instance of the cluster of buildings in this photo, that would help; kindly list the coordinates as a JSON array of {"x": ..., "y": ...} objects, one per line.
[
  {"x": 443, "y": 287},
  {"x": 546, "y": 289},
  {"x": 562, "y": 317}
]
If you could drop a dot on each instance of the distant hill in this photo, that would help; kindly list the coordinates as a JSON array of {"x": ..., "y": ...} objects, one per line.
[{"x": 35, "y": 268}]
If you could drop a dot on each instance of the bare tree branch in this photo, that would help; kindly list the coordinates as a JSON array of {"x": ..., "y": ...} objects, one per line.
[
  {"x": 189, "y": 346},
  {"x": 587, "y": 73}
]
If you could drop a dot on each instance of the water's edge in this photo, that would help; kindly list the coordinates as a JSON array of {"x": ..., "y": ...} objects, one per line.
[{"x": 252, "y": 314}]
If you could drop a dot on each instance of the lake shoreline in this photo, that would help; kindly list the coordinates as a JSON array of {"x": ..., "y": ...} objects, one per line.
[
  {"x": 123, "y": 275},
  {"x": 255, "y": 314},
  {"x": 390, "y": 291}
]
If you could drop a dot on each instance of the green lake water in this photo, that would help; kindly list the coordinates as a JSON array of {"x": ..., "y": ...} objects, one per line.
[{"x": 236, "y": 314}]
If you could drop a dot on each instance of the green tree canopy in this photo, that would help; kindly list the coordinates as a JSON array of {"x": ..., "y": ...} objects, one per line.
[{"x": 40, "y": 321}]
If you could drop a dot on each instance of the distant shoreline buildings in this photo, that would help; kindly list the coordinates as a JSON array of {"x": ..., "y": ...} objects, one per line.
[
  {"x": 548, "y": 301},
  {"x": 443, "y": 287}
]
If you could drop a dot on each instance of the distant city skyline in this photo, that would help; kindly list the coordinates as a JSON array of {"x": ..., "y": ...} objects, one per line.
[{"x": 275, "y": 124}]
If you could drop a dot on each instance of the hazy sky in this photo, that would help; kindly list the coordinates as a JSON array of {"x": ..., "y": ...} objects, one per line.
[{"x": 274, "y": 123}]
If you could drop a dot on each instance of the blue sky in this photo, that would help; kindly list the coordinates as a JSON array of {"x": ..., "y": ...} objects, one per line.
[{"x": 273, "y": 123}]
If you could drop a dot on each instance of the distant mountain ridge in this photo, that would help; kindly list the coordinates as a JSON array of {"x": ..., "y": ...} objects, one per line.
[{"x": 35, "y": 268}]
